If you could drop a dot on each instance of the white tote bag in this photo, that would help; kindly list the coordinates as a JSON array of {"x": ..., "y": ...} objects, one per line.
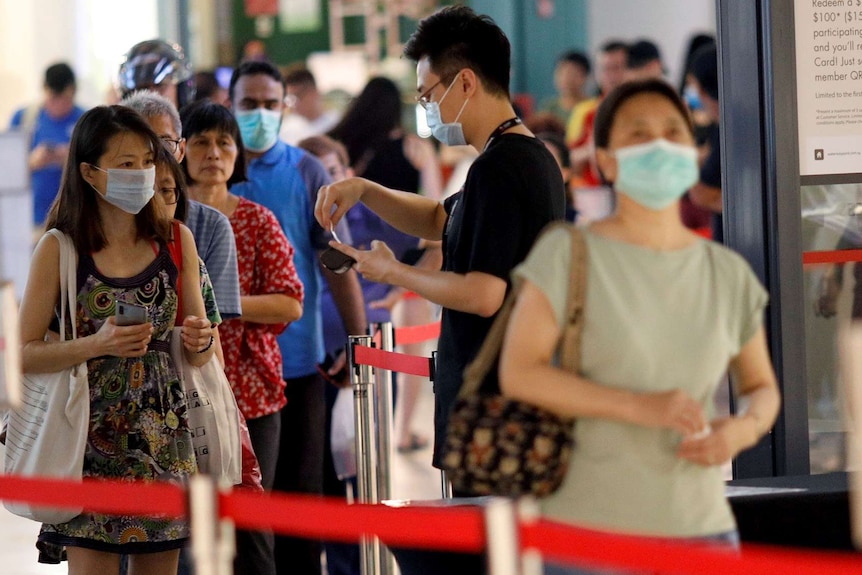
[
  {"x": 343, "y": 438},
  {"x": 47, "y": 435},
  {"x": 213, "y": 415}
]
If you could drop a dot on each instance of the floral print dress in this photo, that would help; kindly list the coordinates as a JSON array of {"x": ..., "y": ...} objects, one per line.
[{"x": 138, "y": 421}]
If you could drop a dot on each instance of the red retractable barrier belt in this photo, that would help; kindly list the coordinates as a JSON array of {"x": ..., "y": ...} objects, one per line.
[
  {"x": 832, "y": 257},
  {"x": 392, "y": 361}
]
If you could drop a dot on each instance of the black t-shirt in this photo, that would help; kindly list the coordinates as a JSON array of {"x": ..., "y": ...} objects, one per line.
[{"x": 512, "y": 191}]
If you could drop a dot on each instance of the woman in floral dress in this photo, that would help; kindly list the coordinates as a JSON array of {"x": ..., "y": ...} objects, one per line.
[{"x": 138, "y": 422}]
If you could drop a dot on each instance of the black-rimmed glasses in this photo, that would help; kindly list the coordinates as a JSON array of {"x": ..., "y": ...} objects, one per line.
[
  {"x": 424, "y": 100},
  {"x": 170, "y": 196},
  {"x": 171, "y": 145}
]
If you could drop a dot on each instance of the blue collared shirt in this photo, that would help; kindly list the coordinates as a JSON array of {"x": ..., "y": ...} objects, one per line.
[{"x": 286, "y": 180}]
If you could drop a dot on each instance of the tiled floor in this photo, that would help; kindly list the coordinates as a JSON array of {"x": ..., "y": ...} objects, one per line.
[{"x": 413, "y": 478}]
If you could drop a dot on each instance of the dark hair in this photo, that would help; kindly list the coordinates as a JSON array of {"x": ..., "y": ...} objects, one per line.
[
  {"x": 455, "y": 37},
  {"x": 58, "y": 77},
  {"x": 704, "y": 68},
  {"x": 206, "y": 84},
  {"x": 319, "y": 146},
  {"x": 166, "y": 159},
  {"x": 642, "y": 53},
  {"x": 559, "y": 143},
  {"x": 75, "y": 210},
  {"x": 252, "y": 68},
  {"x": 370, "y": 118},
  {"x": 576, "y": 58},
  {"x": 613, "y": 46},
  {"x": 696, "y": 42},
  {"x": 205, "y": 115},
  {"x": 299, "y": 76},
  {"x": 607, "y": 111}
]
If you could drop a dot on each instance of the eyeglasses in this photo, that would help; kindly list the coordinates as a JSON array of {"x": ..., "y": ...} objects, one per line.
[
  {"x": 171, "y": 145},
  {"x": 424, "y": 99},
  {"x": 170, "y": 196}
]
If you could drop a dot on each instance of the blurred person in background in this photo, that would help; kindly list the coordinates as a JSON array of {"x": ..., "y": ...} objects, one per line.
[
  {"x": 643, "y": 60},
  {"x": 158, "y": 66},
  {"x": 571, "y": 75},
  {"x": 610, "y": 73},
  {"x": 306, "y": 114},
  {"x": 207, "y": 87},
  {"x": 49, "y": 125},
  {"x": 381, "y": 151}
]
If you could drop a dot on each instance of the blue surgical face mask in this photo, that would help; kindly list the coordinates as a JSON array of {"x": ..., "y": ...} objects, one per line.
[
  {"x": 258, "y": 128},
  {"x": 451, "y": 134},
  {"x": 129, "y": 190},
  {"x": 656, "y": 174},
  {"x": 692, "y": 98}
]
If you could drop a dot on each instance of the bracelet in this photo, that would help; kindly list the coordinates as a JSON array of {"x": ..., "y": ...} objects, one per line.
[{"x": 209, "y": 345}]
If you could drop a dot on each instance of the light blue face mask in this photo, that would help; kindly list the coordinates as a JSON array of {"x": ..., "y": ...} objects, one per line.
[
  {"x": 451, "y": 134},
  {"x": 656, "y": 174},
  {"x": 129, "y": 190},
  {"x": 258, "y": 128}
]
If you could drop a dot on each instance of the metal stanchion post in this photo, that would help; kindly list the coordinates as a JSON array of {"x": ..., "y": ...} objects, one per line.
[
  {"x": 445, "y": 486},
  {"x": 529, "y": 514},
  {"x": 501, "y": 533},
  {"x": 362, "y": 380},
  {"x": 385, "y": 425},
  {"x": 203, "y": 520}
]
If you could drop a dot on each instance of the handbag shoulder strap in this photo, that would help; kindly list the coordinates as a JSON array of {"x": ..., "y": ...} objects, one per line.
[
  {"x": 68, "y": 281},
  {"x": 570, "y": 345},
  {"x": 475, "y": 372},
  {"x": 176, "y": 250}
]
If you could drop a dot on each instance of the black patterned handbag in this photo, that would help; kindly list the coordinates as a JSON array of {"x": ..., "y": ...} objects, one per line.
[{"x": 499, "y": 446}]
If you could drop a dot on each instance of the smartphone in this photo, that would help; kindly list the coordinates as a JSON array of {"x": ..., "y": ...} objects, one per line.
[
  {"x": 323, "y": 369},
  {"x": 130, "y": 314},
  {"x": 335, "y": 261}
]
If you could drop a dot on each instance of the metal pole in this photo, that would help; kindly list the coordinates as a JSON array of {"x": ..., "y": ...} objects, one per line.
[
  {"x": 501, "y": 531},
  {"x": 385, "y": 426},
  {"x": 203, "y": 520},
  {"x": 362, "y": 380},
  {"x": 445, "y": 486}
]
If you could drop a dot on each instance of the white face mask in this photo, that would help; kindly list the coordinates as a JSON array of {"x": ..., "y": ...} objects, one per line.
[
  {"x": 129, "y": 190},
  {"x": 451, "y": 134}
]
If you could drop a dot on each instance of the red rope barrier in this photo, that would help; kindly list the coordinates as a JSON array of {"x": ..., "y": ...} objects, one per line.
[
  {"x": 101, "y": 496},
  {"x": 572, "y": 545},
  {"x": 455, "y": 529},
  {"x": 417, "y": 333},
  {"x": 831, "y": 257},
  {"x": 402, "y": 363}
]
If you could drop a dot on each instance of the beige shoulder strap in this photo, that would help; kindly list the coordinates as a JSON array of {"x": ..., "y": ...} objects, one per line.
[{"x": 570, "y": 340}]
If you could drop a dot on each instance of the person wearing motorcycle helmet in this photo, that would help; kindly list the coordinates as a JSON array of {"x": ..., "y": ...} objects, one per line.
[{"x": 159, "y": 66}]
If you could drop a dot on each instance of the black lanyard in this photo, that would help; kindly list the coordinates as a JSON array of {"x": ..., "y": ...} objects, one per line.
[{"x": 511, "y": 122}]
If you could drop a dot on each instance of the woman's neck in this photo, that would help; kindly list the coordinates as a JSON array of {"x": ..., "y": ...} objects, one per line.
[
  {"x": 215, "y": 196},
  {"x": 119, "y": 227},
  {"x": 660, "y": 230}
]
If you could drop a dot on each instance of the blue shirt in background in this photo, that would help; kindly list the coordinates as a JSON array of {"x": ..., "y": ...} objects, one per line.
[
  {"x": 50, "y": 131},
  {"x": 286, "y": 180}
]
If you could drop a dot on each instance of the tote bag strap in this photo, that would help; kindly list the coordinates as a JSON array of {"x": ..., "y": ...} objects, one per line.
[{"x": 68, "y": 281}]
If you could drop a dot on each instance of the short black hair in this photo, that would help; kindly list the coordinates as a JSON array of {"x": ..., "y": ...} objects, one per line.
[
  {"x": 455, "y": 37},
  {"x": 607, "y": 111},
  {"x": 576, "y": 58},
  {"x": 613, "y": 46},
  {"x": 642, "y": 53},
  {"x": 205, "y": 115},
  {"x": 704, "y": 68},
  {"x": 252, "y": 68},
  {"x": 58, "y": 77}
]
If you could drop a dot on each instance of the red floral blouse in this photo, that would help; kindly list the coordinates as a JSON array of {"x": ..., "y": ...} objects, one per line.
[{"x": 252, "y": 356}]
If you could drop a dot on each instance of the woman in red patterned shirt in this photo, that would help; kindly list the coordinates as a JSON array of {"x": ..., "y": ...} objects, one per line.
[{"x": 271, "y": 295}]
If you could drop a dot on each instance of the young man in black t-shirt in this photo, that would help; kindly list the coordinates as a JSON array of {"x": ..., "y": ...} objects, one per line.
[{"x": 513, "y": 189}]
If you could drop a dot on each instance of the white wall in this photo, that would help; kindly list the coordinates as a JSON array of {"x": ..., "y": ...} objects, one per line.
[
  {"x": 668, "y": 23},
  {"x": 91, "y": 35}
]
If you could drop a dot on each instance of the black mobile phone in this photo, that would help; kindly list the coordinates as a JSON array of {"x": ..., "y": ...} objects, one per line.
[
  {"x": 130, "y": 314},
  {"x": 324, "y": 368},
  {"x": 336, "y": 261}
]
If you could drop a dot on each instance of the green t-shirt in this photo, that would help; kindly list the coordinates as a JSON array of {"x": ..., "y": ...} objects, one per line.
[{"x": 654, "y": 321}]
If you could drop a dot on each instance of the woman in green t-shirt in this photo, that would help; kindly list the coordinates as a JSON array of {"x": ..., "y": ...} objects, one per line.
[{"x": 667, "y": 314}]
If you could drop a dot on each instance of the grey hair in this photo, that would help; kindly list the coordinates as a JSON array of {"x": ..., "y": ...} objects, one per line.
[{"x": 148, "y": 104}]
